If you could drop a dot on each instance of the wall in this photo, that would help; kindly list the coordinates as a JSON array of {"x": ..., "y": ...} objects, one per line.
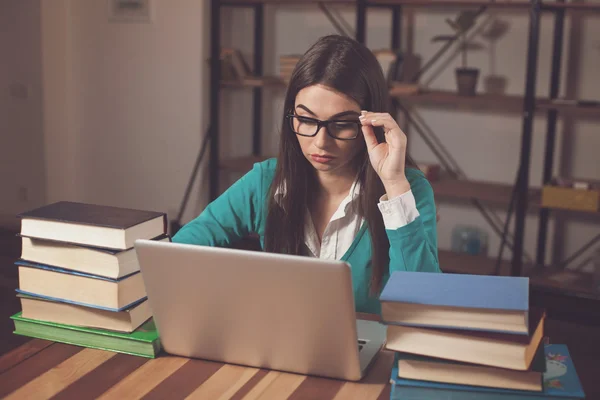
[
  {"x": 131, "y": 104},
  {"x": 125, "y": 103},
  {"x": 60, "y": 141},
  {"x": 486, "y": 145},
  {"x": 22, "y": 182}
]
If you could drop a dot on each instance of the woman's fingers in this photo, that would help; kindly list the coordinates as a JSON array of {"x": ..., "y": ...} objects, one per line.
[
  {"x": 370, "y": 138},
  {"x": 393, "y": 134},
  {"x": 378, "y": 119}
]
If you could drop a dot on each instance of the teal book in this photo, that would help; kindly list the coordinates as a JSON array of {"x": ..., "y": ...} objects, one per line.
[
  {"x": 560, "y": 381},
  {"x": 143, "y": 342}
]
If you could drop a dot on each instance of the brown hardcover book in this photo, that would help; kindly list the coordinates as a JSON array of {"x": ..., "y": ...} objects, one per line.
[
  {"x": 92, "y": 225},
  {"x": 503, "y": 350}
]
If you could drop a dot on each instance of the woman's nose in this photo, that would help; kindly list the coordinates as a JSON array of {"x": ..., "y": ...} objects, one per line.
[{"x": 322, "y": 138}]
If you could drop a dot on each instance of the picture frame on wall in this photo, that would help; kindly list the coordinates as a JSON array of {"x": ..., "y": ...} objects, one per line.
[{"x": 130, "y": 11}]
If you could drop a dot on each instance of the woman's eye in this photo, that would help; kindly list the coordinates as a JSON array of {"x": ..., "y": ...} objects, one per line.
[
  {"x": 307, "y": 121},
  {"x": 344, "y": 125}
]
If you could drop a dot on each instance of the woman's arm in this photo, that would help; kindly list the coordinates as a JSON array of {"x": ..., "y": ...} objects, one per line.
[
  {"x": 413, "y": 244},
  {"x": 232, "y": 216},
  {"x": 412, "y": 233}
]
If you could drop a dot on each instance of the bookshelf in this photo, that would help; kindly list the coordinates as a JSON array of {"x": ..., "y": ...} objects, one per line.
[
  {"x": 569, "y": 283},
  {"x": 445, "y": 188},
  {"x": 508, "y": 103},
  {"x": 511, "y": 4}
]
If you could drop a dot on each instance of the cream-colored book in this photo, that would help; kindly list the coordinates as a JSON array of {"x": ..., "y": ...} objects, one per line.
[
  {"x": 71, "y": 314},
  {"x": 438, "y": 370},
  {"x": 92, "y": 260},
  {"x": 81, "y": 289},
  {"x": 503, "y": 350}
]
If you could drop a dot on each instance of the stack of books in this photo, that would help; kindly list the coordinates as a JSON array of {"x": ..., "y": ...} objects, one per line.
[
  {"x": 79, "y": 278},
  {"x": 470, "y": 336}
]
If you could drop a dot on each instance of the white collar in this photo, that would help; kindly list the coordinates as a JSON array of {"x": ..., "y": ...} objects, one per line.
[{"x": 343, "y": 207}]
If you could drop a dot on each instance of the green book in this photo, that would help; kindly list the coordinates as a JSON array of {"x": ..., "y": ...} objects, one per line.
[{"x": 143, "y": 342}]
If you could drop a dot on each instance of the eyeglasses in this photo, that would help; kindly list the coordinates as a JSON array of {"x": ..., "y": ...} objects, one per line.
[{"x": 337, "y": 129}]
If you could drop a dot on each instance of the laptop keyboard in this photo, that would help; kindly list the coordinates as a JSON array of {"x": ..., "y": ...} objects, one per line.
[{"x": 361, "y": 344}]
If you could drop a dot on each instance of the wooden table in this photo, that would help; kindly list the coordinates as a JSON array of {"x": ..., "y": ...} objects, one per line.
[
  {"x": 40, "y": 369},
  {"x": 43, "y": 369}
]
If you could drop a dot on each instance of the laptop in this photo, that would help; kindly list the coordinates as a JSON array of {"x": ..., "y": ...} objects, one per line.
[{"x": 264, "y": 310}]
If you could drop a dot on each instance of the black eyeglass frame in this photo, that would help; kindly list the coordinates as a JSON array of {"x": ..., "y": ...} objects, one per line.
[{"x": 320, "y": 124}]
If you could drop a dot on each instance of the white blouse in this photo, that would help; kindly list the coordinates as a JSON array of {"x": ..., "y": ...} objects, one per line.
[{"x": 345, "y": 222}]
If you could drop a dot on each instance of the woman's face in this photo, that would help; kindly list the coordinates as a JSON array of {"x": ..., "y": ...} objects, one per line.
[{"x": 325, "y": 153}]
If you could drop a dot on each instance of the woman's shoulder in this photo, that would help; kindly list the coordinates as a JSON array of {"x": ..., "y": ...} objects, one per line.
[
  {"x": 267, "y": 165},
  {"x": 418, "y": 182},
  {"x": 265, "y": 168},
  {"x": 263, "y": 171},
  {"x": 414, "y": 174}
]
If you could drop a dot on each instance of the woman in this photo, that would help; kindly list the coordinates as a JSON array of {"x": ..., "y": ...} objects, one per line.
[{"x": 342, "y": 186}]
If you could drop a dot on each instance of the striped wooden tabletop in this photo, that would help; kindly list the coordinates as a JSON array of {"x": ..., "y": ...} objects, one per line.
[{"x": 41, "y": 369}]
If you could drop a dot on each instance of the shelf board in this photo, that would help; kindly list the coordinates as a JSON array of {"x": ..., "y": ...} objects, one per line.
[
  {"x": 523, "y": 4},
  {"x": 495, "y": 194},
  {"x": 571, "y": 109},
  {"x": 289, "y": 2},
  {"x": 452, "y": 99},
  {"x": 564, "y": 281},
  {"x": 569, "y": 282},
  {"x": 492, "y": 193},
  {"x": 442, "y": 98},
  {"x": 510, "y": 4},
  {"x": 412, "y": 3},
  {"x": 267, "y": 81},
  {"x": 487, "y": 192},
  {"x": 571, "y": 6},
  {"x": 444, "y": 188},
  {"x": 462, "y": 263}
]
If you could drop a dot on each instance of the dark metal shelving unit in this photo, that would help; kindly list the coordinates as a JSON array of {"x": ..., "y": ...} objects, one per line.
[{"x": 528, "y": 104}]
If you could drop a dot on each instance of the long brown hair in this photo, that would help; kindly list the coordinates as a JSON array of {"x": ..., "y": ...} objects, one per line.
[{"x": 350, "y": 68}]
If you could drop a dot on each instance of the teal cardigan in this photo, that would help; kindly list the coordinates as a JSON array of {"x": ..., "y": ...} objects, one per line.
[{"x": 242, "y": 210}]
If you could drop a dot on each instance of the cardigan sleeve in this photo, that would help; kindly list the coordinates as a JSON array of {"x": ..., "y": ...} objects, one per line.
[
  {"x": 399, "y": 211},
  {"x": 230, "y": 217},
  {"x": 413, "y": 247}
]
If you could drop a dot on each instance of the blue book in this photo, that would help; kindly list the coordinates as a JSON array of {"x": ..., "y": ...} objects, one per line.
[
  {"x": 457, "y": 301},
  {"x": 72, "y": 287},
  {"x": 559, "y": 381}
]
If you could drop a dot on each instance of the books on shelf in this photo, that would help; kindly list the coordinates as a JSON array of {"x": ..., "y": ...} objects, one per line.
[
  {"x": 465, "y": 336},
  {"x": 80, "y": 280},
  {"x": 143, "y": 342},
  {"x": 559, "y": 380}
]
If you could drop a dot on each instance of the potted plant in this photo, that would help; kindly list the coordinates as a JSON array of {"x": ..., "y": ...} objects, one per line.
[
  {"x": 466, "y": 77},
  {"x": 494, "y": 84}
]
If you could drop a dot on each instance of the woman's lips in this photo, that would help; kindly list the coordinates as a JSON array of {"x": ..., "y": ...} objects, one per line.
[{"x": 323, "y": 159}]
